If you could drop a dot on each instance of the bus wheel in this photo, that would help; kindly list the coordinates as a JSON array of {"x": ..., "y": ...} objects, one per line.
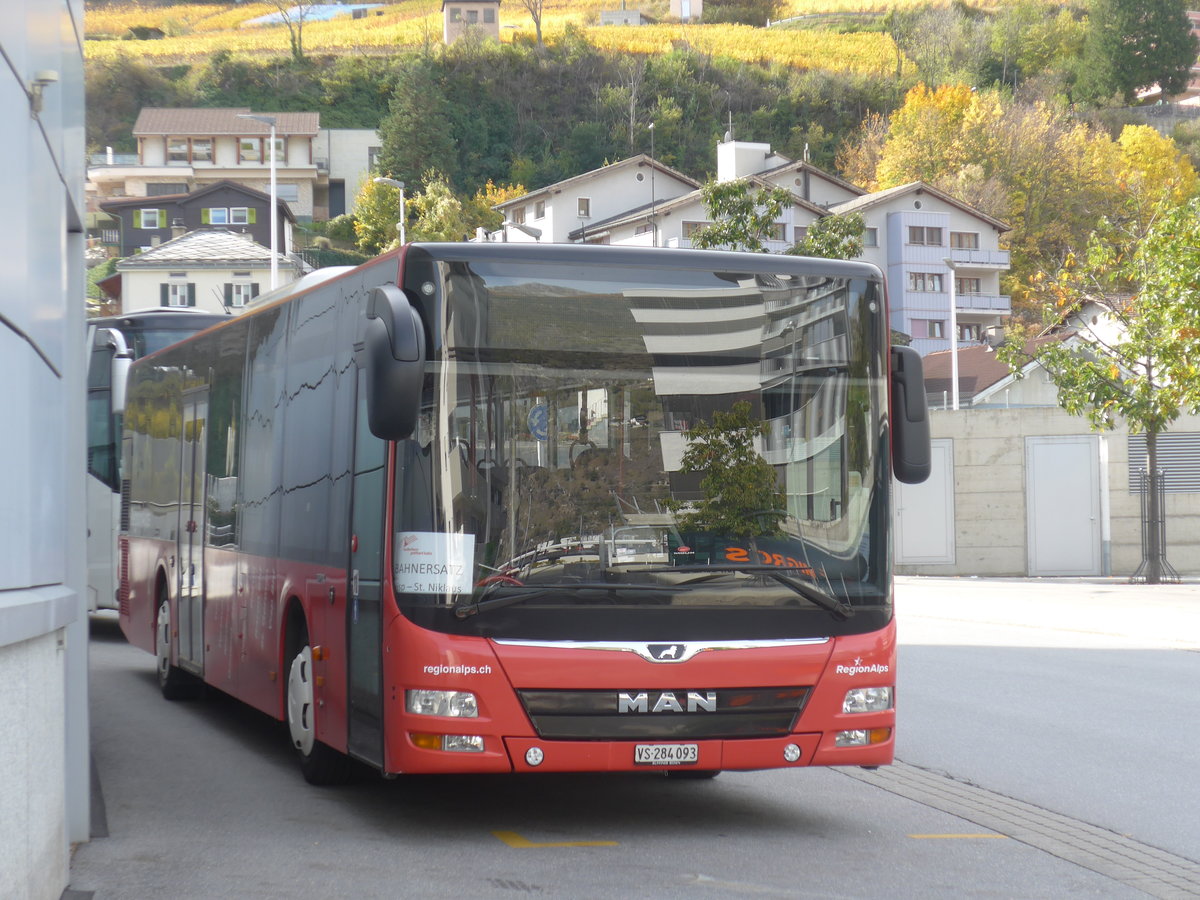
[
  {"x": 320, "y": 763},
  {"x": 174, "y": 683}
]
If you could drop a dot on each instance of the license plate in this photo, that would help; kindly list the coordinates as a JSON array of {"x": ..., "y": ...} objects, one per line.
[{"x": 666, "y": 754}]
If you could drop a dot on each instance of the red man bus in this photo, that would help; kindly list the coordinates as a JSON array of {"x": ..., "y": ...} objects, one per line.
[{"x": 535, "y": 508}]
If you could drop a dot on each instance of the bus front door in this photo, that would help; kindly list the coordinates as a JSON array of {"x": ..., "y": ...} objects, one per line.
[
  {"x": 192, "y": 523},
  {"x": 364, "y": 612}
]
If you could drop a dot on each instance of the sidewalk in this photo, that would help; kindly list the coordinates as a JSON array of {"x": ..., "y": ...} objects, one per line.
[{"x": 1107, "y": 610}]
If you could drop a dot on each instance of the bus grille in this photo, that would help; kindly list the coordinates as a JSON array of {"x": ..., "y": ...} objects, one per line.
[{"x": 686, "y": 714}]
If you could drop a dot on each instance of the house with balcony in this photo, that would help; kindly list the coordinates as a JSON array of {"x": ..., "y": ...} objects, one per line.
[
  {"x": 933, "y": 249},
  {"x": 138, "y": 224},
  {"x": 317, "y": 171},
  {"x": 568, "y": 211},
  {"x": 938, "y": 254},
  {"x": 214, "y": 270}
]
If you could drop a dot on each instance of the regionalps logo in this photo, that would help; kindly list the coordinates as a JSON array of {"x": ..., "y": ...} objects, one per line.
[{"x": 859, "y": 669}]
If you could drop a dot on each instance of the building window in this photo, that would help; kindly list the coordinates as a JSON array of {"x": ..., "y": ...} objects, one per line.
[
  {"x": 241, "y": 215},
  {"x": 643, "y": 228},
  {"x": 201, "y": 150},
  {"x": 373, "y": 158},
  {"x": 288, "y": 192},
  {"x": 690, "y": 228},
  {"x": 240, "y": 293},
  {"x": 799, "y": 233},
  {"x": 778, "y": 231},
  {"x": 964, "y": 240},
  {"x": 928, "y": 282},
  {"x": 250, "y": 150},
  {"x": 539, "y": 209},
  {"x": 472, "y": 16},
  {"x": 585, "y": 208},
  {"x": 214, "y": 215},
  {"x": 178, "y": 291},
  {"x": 177, "y": 152},
  {"x": 964, "y": 285},
  {"x": 162, "y": 188},
  {"x": 970, "y": 332},
  {"x": 280, "y": 149},
  {"x": 935, "y": 328},
  {"x": 517, "y": 215},
  {"x": 489, "y": 16},
  {"x": 150, "y": 218},
  {"x": 871, "y": 237},
  {"x": 455, "y": 14},
  {"x": 924, "y": 236}
]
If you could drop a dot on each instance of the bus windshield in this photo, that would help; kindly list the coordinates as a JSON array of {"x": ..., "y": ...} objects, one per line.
[{"x": 675, "y": 438}]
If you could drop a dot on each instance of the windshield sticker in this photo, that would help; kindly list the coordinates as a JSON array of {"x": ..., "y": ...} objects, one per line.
[{"x": 432, "y": 562}]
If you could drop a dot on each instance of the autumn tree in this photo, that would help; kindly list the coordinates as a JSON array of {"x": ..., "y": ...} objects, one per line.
[
  {"x": 743, "y": 215},
  {"x": 1140, "y": 362},
  {"x": 438, "y": 212},
  {"x": 376, "y": 216}
]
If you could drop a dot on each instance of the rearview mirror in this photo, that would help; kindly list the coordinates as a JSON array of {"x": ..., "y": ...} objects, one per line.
[
  {"x": 911, "y": 453},
  {"x": 394, "y": 344}
]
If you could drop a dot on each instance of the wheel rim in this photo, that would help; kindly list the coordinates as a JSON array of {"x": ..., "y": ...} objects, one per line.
[
  {"x": 300, "y": 702},
  {"x": 162, "y": 641}
]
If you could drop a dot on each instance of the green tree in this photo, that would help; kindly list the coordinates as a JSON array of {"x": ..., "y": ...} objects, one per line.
[
  {"x": 1132, "y": 45},
  {"x": 1144, "y": 367},
  {"x": 415, "y": 132},
  {"x": 741, "y": 494},
  {"x": 744, "y": 215},
  {"x": 742, "y": 12},
  {"x": 833, "y": 237}
]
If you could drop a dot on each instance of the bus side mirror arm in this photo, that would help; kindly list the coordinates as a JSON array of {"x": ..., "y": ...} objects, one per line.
[
  {"x": 394, "y": 344},
  {"x": 119, "y": 363},
  {"x": 911, "y": 453}
]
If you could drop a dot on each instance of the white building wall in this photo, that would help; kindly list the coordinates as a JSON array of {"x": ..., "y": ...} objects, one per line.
[
  {"x": 990, "y": 500},
  {"x": 347, "y": 153},
  {"x": 43, "y": 630}
]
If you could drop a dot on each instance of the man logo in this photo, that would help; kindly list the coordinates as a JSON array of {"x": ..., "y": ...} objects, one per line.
[
  {"x": 666, "y": 702},
  {"x": 666, "y": 652}
]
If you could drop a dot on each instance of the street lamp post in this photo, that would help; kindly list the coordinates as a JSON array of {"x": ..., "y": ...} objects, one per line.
[
  {"x": 953, "y": 334},
  {"x": 400, "y": 185},
  {"x": 653, "y": 165},
  {"x": 270, "y": 121}
]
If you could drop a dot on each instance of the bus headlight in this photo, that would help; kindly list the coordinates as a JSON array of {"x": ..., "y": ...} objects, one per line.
[
  {"x": 862, "y": 737},
  {"x": 863, "y": 700},
  {"x": 456, "y": 704}
]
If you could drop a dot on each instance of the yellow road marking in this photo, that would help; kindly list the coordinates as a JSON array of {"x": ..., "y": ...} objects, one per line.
[
  {"x": 951, "y": 836},
  {"x": 515, "y": 840}
]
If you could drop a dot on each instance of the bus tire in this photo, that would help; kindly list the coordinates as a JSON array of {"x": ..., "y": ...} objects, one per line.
[
  {"x": 174, "y": 683},
  {"x": 320, "y": 763}
]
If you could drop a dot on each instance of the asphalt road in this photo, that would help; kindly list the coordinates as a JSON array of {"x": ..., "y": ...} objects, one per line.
[{"x": 1046, "y": 730}]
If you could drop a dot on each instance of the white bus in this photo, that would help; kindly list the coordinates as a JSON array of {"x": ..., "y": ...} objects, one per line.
[{"x": 112, "y": 344}]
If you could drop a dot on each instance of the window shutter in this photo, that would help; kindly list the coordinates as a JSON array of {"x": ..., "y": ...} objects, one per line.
[
  {"x": 253, "y": 290},
  {"x": 205, "y": 217},
  {"x": 191, "y": 294},
  {"x": 162, "y": 218},
  {"x": 250, "y": 215},
  {"x": 228, "y": 293},
  {"x": 164, "y": 294}
]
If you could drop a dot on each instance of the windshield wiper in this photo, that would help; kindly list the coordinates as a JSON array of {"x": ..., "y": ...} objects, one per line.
[
  {"x": 492, "y": 598},
  {"x": 810, "y": 592}
]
